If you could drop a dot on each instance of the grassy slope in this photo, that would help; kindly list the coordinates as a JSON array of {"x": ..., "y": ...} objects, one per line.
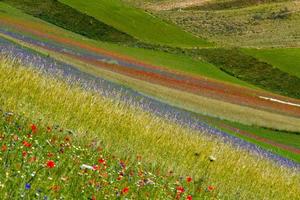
[
  {"x": 154, "y": 57},
  {"x": 232, "y": 4},
  {"x": 78, "y": 166},
  {"x": 125, "y": 129},
  {"x": 252, "y": 70},
  {"x": 182, "y": 63},
  {"x": 287, "y": 60},
  {"x": 68, "y": 18},
  {"x": 265, "y": 25},
  {"x": 286, "y": 138},
  {"x": 191, "y": 102},
  {"x": 136, "y": 22}
]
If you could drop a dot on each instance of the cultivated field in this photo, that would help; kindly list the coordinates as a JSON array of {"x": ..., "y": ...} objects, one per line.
[
  {"x": 151, "y": 99},
  {"x": 121, "y": 128}
]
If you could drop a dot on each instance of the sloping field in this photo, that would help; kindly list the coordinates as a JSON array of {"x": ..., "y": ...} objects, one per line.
[
  {"x": 285, "y": 59},
  {"x": 121, "y": 128},
  {"x": 136, "y": 22},
  {"x": 111, "y": 121},
  {"x": 265, "y": 25}
]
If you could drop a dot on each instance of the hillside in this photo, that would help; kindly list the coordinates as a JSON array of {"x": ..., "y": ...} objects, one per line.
[
  {"x": 149, "y": 99},
  {"x": 250, "y": 25}
]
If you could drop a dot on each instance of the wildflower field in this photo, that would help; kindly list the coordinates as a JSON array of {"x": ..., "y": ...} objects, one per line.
[
  {"x": 112, "y": 100},
  {"x": 41, "y": 161},
  {"x": 59, "y": 140}
]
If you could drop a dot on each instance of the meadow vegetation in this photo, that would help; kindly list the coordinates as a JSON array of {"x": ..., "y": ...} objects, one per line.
[
  {"x": 126, "y": 131},
  {"x": 285, "y": 59},
  {"x": 137, "y": 23},
  {"x": 263, "y": 25}
]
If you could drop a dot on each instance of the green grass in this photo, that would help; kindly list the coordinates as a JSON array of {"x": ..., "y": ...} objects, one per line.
[
  {"x": 253, "y": 71},
  {"x": 123, "y": 128},
  {"x": 286, "y": 138},
  {"x": 271, "y": 148},
  {"x": 168, "y": 60},
  {"x": 285, "y": 59},
  {"x": 68, "y": 18},
  {"x": 48, "y": 161},
  {"x": 137, "y": 23},
  {"x": 291, "y": 139},
  {"x": 195, "y": 103}
]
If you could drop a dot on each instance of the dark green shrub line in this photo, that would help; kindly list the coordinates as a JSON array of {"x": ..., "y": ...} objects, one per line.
[
  {"x": 68, "y": 18},
  {"x": 251, "y": 70}
]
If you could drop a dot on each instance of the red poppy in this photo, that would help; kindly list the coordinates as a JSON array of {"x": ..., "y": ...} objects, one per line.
[
  {"x": 96, "y": 167},
  {"x": 210, "y": 188},
  {"x": 101, "y": 161},
  {"x": 24, "y": 153},
  {"x": 50, "y": 164},
  {"x": 4, "y": 148},
  {"x": 26, "y": 144},
  {"x": 189, "y": 179},
  {"x": 125, "y": 190},
  {"x": 189, "y": 197},
  {"x": 33, "y": 128},
  {"x": 180, "y": 190}
]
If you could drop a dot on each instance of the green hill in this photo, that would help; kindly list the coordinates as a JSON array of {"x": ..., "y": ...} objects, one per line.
[{"x": 136, "y": 22}]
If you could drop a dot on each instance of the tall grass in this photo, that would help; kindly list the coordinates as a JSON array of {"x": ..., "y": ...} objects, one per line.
[{"x": 127, "y": 131}]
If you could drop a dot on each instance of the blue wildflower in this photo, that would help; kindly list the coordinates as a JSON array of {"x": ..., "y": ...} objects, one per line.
[{"x": 27, "y": 186}]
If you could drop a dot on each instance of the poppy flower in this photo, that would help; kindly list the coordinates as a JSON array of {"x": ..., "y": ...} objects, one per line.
[
  {"x": 33, "y": 128},
  {"x": 101, "y": 161},
  {"x": 189, "y": 179},
  {"x": 50, "y": 164},
  {"x": 189, "y": 197},
  {"x": 180, "y": 190},
  {"x": 24, "y": 153},
  {"x": 125, "y": 190},
  {"x": 210, "y": 188},
  {"x": 26, "y": 144},
  {"x": 4, "y": 148}
]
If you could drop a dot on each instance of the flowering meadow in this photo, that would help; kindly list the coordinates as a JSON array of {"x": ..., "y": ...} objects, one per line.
[
  {"x": 47, "y": 162},
  {"x": 60, "y": 140}
]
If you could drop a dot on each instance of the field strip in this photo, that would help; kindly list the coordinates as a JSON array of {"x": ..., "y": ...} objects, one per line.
[
  {"x": 279, "y": 101},
  {"x": 197, "y": 86},
  {"x": 156, "y": 107},
  {"x": 262, "y": 139}
]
